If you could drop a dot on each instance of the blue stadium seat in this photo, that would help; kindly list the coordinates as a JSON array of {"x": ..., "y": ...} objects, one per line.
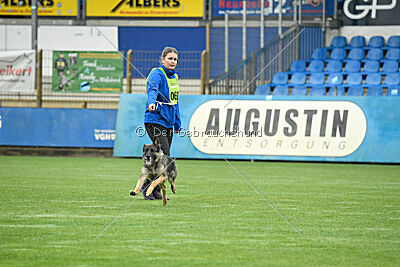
[
  {"x": 393, "y": 42},
  {"x": 334, "y": 66},
  {"x": 355, "y": 90},
  {"x": 337, "y": 54},
  {"x": 281, "y": 90},
  {"x": 376, "y": 41},
  {"x": 331, "y": 91},
  {"x": 319, "y": 54},
  {"x": 393, "y": 91},
  {"x": 339, "y": 42},
  {"x": 280, "y": 78},
  {"x": 317, "y": 78},
  {"x": 390, "y": 66},
  {"x": 371, "y": 66},
  {"x": 393, "y": 54},
  {"x": 373, "y": 80},
  {"x": 392, "y": 80},
  {"x": 316, "y": 66},
  {"x": 357, "y": 41},
  {"x": 339, "y": 90},
  {"x": 375, "y": 91},
  {"x": 298, "y": 66},
  {"x": 318, "y": 91},
  {"x": 263, "y": 89},
  {"x": 353, "y": 79},
  {"x": 299, "y": 91},
  {"x": 374, "y": 54},
  {"x": 334, "y": 79},
  {"x": 352, "y": 66},
  {"x": 356, "y": 54},
  {"x": 298, "y": 78}
]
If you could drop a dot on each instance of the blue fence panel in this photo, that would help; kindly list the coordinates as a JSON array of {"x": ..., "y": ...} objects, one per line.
[
  {"x": 344, "y": 129},
  {"x": 57, "y": 127}
]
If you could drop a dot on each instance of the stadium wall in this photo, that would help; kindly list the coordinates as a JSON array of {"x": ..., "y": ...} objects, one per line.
[
  {"x": 51, "y": 127},
  {"x": 342, "y": 129}
]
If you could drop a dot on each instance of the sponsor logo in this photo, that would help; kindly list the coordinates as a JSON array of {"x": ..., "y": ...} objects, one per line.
[
  {"x": 104, "y": 135},
  {"x": 147, "y": 4},
  {"x": 364, "y": 9},
  {"x": 286, "y": 128}
]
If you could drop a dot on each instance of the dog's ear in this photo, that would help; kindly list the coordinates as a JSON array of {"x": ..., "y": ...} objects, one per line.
[
  {"x": 143, "y": 147},
  {"x": 157, "y": 143}
]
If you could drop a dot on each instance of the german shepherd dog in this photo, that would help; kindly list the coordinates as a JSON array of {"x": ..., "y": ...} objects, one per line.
[{"x": 157, "y": 167}]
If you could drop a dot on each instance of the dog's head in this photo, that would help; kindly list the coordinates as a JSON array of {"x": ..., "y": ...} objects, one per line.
[{"x": 151, "y": 153}]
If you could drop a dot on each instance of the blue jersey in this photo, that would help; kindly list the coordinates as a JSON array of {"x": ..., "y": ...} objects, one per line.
[{"x": 159, "y": 93}]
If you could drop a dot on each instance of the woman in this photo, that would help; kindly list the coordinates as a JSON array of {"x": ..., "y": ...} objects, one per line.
[{"x": 162, "y": 110}]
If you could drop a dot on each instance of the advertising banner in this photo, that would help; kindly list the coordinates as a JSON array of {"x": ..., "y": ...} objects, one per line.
[
  {"x": 360, "y": 12},
  {"x": 45, "y": 8},
  {"x": 17, "y": 71},
  {"x": 345, "y": 129},
  {"x": 271, "y": 7},
  {"x": 87, "y": 71},
  {"x": 51, "y": 127},
  {"x": 145, "y": 8}
]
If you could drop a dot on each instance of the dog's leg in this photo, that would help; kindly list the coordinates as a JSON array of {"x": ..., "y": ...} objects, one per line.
[
  {"x": 172, "y": 182},
  {"x": 156, "y": 182},
  {"x": 164, "y": 195},
  {"x": 138, "y": 185}
]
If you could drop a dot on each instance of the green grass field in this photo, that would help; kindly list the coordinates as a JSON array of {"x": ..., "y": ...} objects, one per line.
[{"x": 53, "y": 208}]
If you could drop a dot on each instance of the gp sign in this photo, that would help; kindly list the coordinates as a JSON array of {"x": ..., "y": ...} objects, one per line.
[{"x": 278, "y": 128}]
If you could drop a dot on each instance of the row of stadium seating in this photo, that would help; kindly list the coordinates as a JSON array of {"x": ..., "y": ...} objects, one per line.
[
  {"x": 336, "y": 79},
  {"x": 342, "y": 69},
  {"x": 285, "y": 90},
  {"x": 360, "y": 42},
  {"x": 351, "y": 66},
  {"x": 343, "y": 54}
]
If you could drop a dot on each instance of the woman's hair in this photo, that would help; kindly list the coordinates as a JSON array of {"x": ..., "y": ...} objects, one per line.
[{"x": 168, "y": 50}]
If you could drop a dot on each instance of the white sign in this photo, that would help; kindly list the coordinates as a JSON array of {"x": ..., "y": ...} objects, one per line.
[
  {"x": 17, "y": 71},
  {"x": 283, "y": 128},
  {"x": 366, "y": 8}
]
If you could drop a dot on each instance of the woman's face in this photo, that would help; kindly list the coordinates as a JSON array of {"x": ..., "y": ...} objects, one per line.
[{"x": 170, "y": 61}]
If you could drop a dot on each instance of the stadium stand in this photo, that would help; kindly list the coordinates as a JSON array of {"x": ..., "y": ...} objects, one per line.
[
  {"x": 299, "y": 91},
  {"x": 317, "y": 91},
  {"x": 352, "y": 66},
  {"x": 392, "y": 54},
  {"x": 315, "y": 66},
  {"x": 337, "y": 54},
  {"x": 376, "y": 42},
  {"x": 338, "y": 42},
  {"x": 263, "y": 89},
  {"x": 357, "y": 41},
  {"x": 298, "y": 66},
  {"x": 371, "y": 66},
  {"x": 317, "y": 78},
  {"x": 319, "y": 54},
  {"x": 281, "y": 90},
  {"x": 356, "y": 54},
  {"x": 390, "y": 66},
  {"x": 393, "y": 42},
  {"x": 298, "y": 78},
  {"x": 371, "y": 70},
  {"x": 334, "y": 66},
  {"x": 355, "y": 90}
]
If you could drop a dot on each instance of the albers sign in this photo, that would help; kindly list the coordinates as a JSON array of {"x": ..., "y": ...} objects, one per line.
[{"x": 282, "y": 128}]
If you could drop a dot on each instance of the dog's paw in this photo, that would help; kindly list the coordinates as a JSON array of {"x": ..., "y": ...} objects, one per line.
[
  {"x": 173, "y": 188},
  {"x": 132, "y": 193},
  {"x": 164, "y": 202}
]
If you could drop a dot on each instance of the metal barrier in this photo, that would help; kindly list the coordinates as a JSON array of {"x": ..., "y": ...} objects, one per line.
[{"x": 259, "y": 68}]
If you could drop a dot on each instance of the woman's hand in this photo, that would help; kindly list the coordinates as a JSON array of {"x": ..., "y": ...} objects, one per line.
[{"x": 152, "y": 107}]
